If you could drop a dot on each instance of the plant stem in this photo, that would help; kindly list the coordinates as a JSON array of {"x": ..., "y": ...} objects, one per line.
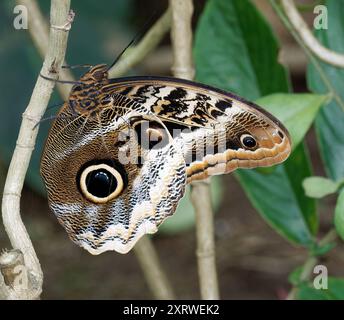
[
  {"x": 136, "y": 54},
  {"x": 152, "y": 269},
  {"x": 181, "y": 35},
  {"x": 309, "y": 54},
  {"x": 201, "y": 200},
  {"x": 307, "y": 37}
]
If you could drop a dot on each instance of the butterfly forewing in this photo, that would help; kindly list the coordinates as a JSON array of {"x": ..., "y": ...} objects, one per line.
[{"x": 213, "y": 128}]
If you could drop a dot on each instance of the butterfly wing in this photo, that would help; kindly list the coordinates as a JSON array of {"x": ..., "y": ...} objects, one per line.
[
  {"x": 105, "y": 189},
  {"x": 219, "y": 130},
  {"x": 108, "y": 188}
]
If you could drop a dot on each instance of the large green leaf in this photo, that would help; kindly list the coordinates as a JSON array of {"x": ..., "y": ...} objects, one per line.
[
  {"x": 244, "y": 55},
  {"x": 235, "y": 48},
  {"x": 279, "y": 198},
  {"x": 339, "y": 215},
  {"x": 296, "y": 111},
  {"x": 330, "y": 121}
]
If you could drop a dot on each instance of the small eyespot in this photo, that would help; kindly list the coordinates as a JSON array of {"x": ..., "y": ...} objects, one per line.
[
  {"x": 101, "y": 183},
  {"x": 151, "y": 134},
  {"x": 248, "y": 141},
  {"x": 280, "y": 134}
]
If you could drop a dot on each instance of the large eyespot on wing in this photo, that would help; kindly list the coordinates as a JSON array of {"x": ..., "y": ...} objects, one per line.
[
  {"x": 143, "y": 205},
  {"x": 101, "y": 181}
]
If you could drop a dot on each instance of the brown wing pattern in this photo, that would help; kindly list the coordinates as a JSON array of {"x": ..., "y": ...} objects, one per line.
[{"x": 120, "y": 152}]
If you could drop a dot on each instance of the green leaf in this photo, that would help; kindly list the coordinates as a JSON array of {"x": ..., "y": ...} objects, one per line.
[
  {"x": 306, "y": 292},
  {"x": 336, "y": 287},
  {"x": 335, "y": 291},
  {"x": 296, "y": 111},
  {"x": 319, "y": 187},
  {"x": 277, "y": 198},
  {"x": 307, "y": 206},
  {"x": 339, "y": 215},
  {"x": 329, "y": 123},
  {"x": 184, "y": 217},
  {"x": 244, "y": 54},
  {"x": 235, "y": 49}
]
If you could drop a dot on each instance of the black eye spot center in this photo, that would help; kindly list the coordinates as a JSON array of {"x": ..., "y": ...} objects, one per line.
[
  {"x": 249, "y": 142},
  {"x": 101, "y": 180},
  {"x": 101, "y": 183}
]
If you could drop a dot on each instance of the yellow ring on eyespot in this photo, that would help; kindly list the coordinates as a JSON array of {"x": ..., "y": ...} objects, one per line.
[{"x": 90, "y": 196}]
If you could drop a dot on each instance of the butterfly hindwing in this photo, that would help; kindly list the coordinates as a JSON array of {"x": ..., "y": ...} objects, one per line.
[{"x": 153, "y": 179}]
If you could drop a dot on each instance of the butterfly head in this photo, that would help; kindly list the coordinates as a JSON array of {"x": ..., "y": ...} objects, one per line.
[
  {"x": 96, "y": 74},
  {"x": 85, "y": 94}
]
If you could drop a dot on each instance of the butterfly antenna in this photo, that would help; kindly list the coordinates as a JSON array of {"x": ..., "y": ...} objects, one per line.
[
  {"x": 60, "y": 81},
  {"x": 77, "y": 66},
  {"x": 138, "y": 36},
  {"x": 55, "y": 105},
  {"x": 53, "y": 117}
]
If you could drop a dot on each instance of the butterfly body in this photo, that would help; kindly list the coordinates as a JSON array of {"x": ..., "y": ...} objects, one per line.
[{"x": 121, "y": 151}]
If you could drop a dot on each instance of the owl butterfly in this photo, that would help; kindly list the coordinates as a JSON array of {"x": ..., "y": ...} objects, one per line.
[{"x": 121, "y": 151}]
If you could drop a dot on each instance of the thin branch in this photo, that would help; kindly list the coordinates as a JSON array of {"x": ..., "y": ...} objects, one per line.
[
  {"x": 39, "y": 32},
  {"x": 59, "y": 15},
  {"x": 136, "y": 54},
  {"x": 308, "y": 38},
  {"x": 314, "y": 60},
  {"x": 201, "y": 200},
  {"x": 152, "y": 269},
  {"x": 181, "y": 36},
  {"x": 200, "y": 193}
]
